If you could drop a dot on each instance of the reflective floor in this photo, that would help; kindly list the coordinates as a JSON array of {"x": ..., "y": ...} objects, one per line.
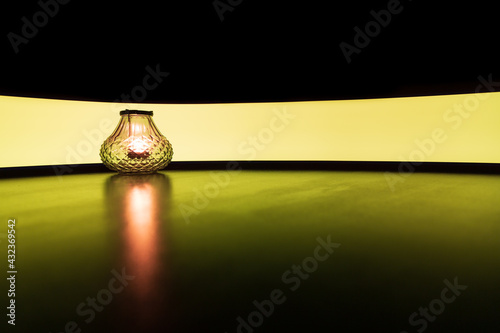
[{"x": 255, "y": 251}]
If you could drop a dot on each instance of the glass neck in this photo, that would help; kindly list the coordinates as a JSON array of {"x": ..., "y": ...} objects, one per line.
[{"x": 137, "y": 125}]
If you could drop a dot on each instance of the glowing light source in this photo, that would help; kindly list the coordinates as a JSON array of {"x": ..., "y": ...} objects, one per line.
[{"x": 139, "y": 147}]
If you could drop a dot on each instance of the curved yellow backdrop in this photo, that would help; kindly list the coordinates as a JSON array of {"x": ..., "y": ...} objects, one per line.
[{"x": 451, "y": 128}]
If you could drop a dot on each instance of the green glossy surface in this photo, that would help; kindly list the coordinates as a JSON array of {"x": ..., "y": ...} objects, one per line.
[{"x": 203, "y": 245}]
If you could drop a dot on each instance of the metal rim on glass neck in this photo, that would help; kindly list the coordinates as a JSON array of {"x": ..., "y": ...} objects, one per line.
[{"x": 147, "y": 113}]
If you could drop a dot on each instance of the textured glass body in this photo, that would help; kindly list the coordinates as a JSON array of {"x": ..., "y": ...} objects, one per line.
[{"x": 136, "y": 145}]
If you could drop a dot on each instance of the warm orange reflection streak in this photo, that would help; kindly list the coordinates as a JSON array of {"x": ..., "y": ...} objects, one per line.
[
  {"x": 141, "y": 217},
  {"x": 139, "y": 205}
]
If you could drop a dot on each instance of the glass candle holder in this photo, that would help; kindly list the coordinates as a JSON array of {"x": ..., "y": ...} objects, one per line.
[{"x": 136, "y": 145}]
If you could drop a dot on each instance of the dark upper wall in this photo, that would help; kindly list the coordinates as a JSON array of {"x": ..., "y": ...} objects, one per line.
[{"x": 261, "y": 51}]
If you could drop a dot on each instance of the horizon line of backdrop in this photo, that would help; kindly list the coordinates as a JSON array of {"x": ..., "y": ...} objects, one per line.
[{"x": 444, "y": 128}]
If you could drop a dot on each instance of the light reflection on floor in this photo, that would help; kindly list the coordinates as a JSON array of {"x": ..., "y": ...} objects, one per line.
[{"x": 138, "y": 204}]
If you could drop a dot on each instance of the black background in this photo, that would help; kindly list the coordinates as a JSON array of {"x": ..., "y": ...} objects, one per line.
[{"x": 261, "y": 51}]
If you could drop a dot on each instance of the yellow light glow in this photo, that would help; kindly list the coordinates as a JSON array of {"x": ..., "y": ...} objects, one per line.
[{"x": 448, "y": 128}]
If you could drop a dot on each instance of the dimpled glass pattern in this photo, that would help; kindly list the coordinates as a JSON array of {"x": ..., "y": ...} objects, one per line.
[{"x": 136, "y": 145}]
